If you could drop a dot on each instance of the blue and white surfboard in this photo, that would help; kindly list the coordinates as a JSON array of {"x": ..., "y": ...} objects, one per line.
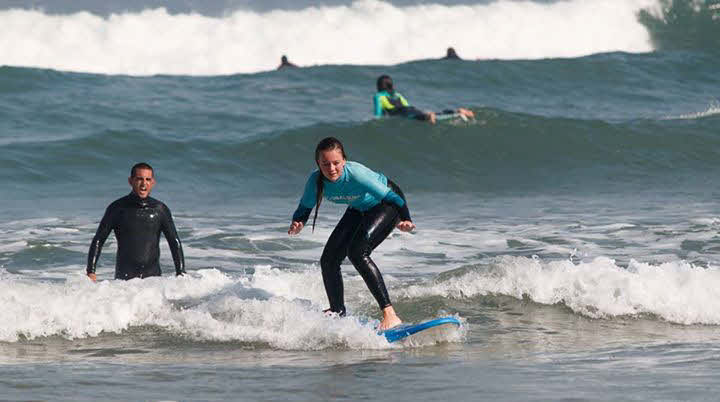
[{"x": 404, "y": 330}]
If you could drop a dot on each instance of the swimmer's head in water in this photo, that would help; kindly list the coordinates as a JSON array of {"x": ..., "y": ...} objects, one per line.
[
  {"x": 283, "y": 59},
  {"x": 385, "y": 83}
]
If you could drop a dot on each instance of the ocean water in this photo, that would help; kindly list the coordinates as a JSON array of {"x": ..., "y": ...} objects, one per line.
[{"x": 572, "y": 226}]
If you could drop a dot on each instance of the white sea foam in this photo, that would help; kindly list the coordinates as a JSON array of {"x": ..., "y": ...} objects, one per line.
[
  {"x": 79, "y": 308},
  {"x": 676, "y": 291},
  {"x": 712, "y": 110},
  {"x": 13, "y": 247},
  {"x": 279, "y": 308},
  {"x": 366, "y": 32}
]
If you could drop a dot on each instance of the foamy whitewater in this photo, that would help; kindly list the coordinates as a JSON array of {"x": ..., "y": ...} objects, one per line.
[
  {"x": 365, "y": 32},
  {"x": 572, "y": 227},
  {"x": 207, "y": 305}
]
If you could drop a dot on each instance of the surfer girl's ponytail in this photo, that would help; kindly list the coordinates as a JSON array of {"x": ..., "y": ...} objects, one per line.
[{"x": 327, "y": 144}]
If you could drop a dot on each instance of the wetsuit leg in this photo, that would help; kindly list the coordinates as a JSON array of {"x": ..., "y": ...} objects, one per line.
[
  {"x": 333, "y": 255},
  {"x": 410, "y": 112},
  {"x": 414, "y": 113},
  {"x": 151, "y": 271},
  {"x": 131, "y": 271},
  {"x": 126, "y": 273},
  {"x": 376, "y": 226}
]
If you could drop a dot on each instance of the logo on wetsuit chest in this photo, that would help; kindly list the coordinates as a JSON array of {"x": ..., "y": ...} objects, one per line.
[{"x": 348, "y": 198}]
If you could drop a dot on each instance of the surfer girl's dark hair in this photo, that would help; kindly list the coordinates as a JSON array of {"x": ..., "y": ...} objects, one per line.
[
  {"x": 385, "y": 83},
  {"x": 326, "y": 144}
]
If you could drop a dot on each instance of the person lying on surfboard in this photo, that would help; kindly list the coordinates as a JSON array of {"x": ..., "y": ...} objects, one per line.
[
  {"x": 389, "y": 102},
  {"x": 376, "y": 206}
]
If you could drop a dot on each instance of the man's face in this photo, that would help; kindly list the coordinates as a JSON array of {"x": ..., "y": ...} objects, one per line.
[{"x": 142, "y": 182}]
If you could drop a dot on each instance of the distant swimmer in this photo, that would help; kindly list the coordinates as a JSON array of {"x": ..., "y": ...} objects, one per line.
[
  {"x": 376, "y": 206},
  {"x": 451, "y": 55},
  {"x": 389, "y": 102},
  {"x": 137, "y": 220},
  {"x": 284, "y": 63}
]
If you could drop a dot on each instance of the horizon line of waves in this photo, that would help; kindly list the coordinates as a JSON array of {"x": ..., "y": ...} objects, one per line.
[{"x": 245, "y": 41}]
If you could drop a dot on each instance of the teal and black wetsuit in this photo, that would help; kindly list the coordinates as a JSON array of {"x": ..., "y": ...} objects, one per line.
[
  {"x": 376, "y": 205},
  {"x": 137, "y": 223},
  {"x": 394, "y": 104}
]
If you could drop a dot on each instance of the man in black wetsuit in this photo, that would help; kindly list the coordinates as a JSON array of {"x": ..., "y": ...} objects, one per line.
[{"x": 137, "y": 220}]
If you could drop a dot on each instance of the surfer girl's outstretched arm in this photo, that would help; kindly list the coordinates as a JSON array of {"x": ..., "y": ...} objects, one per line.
[{"x": 302, "y": 213}]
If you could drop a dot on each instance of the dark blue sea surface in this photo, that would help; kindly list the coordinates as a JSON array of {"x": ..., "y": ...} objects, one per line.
[{"x": 572, "y": 226}]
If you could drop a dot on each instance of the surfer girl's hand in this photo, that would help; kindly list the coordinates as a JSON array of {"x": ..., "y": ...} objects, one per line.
[
  {"x": 295, "y": 227},
  {"x": 92, "y": 276},
  {"x": 406, "y": 226}
]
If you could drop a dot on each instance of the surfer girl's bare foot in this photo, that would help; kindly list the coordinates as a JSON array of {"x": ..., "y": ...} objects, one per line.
[
  {"x": 431, "y": 117},
  {"x": 390, "y": 319}
]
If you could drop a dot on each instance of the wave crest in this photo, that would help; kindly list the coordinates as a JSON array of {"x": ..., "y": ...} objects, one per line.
[
  {"x": 157, "y": 42},
  {"x": 683, "y": 24},
  {"x": 677, "y": 292}
]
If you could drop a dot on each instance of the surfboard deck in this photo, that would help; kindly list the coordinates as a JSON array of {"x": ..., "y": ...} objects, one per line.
[{"x": 402, "y": 331}]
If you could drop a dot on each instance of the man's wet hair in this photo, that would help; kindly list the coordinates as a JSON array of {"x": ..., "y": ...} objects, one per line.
[{"x": 141, "y": 165}]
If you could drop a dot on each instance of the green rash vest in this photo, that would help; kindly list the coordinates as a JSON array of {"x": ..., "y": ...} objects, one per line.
[{"x": 389, "y": 103}]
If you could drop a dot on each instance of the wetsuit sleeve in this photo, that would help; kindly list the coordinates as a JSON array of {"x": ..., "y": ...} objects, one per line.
[
  {"x": 301, "y": 214},
  {"x": 307, "y": 202},
  {"x": 102, "y": 233},
  {"x": 394, "y": 198},
  {"x": 171, "y": 235},
  {"x": 403, "y": 100},
  {"x": 378, "y": 105}
]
